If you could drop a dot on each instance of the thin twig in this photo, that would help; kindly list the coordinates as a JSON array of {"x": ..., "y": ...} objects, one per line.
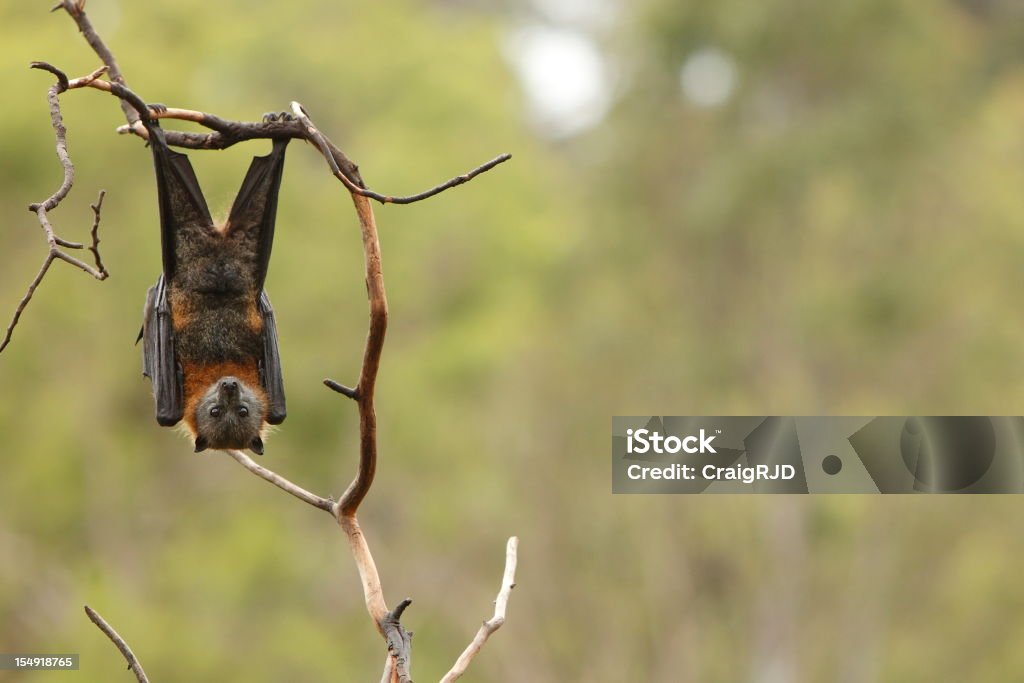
[
  {"x": 341, "y": 389},
  {"x": 76, "y": 10},
  {"x": 454, "y": 182},
  {"x": 508, "y": 582},
  {"x": 42, "y": 208},
  {"x": 25, "y": 299},
  {"x": 95, "y": 232},
  {"x": 282, "y": 483},
  {"x": 328, "y": 150},
  {"x": 116, "y": 639}
]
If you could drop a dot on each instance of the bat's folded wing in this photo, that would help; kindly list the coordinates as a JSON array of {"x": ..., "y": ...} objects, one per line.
[
  {"x": 158, "y": 358},
  {"x": 270, "y": 365},
  {"x": 255, "y": 208},
  {"x": 183, "y": 210}
]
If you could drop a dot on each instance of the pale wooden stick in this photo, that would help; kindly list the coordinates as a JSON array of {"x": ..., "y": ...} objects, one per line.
[{"x": 508, "y": 582}]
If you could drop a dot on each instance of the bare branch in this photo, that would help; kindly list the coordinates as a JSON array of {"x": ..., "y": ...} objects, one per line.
[
  {"x": 24, "y": 301},
  {"x": 389, "y": 670},
  {"x": 95, "y": 232},
  {"x": 399, "y": 643},
  {"x": 454, "y": 182},
  {"x": 42, "y": 208},
  {"x": 280, "y": 482},
  {"x": 76, "y": 10},
  {"x": 378, "y": 304},
  {"x": 133, "y": 662},
  {"x": 508, "y": 582},
  {"x": 227, "y": 133},
  {"x": 328, "y": 150},
  {"x": 341, "y": 389},
  {"x": 387, "y": 621},
  {"x": 373, "y": 594}
]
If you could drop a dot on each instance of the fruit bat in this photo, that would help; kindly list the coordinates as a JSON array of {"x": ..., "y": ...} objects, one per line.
[{"x": 209, "y": 336}]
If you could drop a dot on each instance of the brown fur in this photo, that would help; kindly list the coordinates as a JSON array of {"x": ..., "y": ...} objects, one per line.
[
  {"x": 182, "y": 310},
  {"x": 216, "y": 331}
]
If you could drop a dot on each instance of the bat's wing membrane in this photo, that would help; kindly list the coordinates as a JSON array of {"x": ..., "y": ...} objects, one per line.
[
  {"x": 158, "y": 359},
  {"x": 255, "y": 206},
  {"x": 270, "y": 365},
  {"x": 182, "y": 206}
]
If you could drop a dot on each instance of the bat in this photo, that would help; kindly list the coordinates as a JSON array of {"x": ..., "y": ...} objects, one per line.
[{"x": 209, "y": 334}]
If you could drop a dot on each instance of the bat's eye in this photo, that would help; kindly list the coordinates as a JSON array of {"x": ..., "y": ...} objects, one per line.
[
  {"x": 243, "y": 412},
  {"x": 215, "y": 411}
]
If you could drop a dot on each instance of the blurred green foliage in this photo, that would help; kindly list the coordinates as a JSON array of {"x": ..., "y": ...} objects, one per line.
[{"x": 842, "y": 236}]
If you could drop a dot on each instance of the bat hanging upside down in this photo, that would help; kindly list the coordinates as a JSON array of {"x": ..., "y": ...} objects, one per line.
[{"x": 210, "y": 340}]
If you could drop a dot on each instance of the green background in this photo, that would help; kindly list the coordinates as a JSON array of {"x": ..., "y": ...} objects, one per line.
[{"x": 858, "y": 253}]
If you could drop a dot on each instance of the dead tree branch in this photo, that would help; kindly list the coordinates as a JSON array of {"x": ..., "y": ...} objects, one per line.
[
  {"x": 116, "y": 639},
  {"x": 282, "y": 483},
  {"x": 508, "y": 582},
  {"x": 41, "y": 209},
  {"x": 76, "y": 9},
  {"x": 224, "y": 134}
]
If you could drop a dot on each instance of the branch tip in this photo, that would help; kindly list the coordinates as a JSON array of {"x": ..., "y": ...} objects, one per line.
[
  {"x": 399, "y": 641},
  {"x": 508, "y": 582},
  {"x": 342, "y": 389},
  {"x": 133, "y": 662},
  {"x": 396, "y": 614},
  {"x": 62, "y": 78}
]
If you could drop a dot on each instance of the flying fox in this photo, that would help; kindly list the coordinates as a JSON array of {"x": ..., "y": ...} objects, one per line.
[{"x": 209, "y": 334}]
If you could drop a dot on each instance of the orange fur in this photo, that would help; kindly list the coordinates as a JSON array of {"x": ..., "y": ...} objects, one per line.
[
  {"x": 254, "y": 318},
  {"x": 181, "y": 310},
  {"x": 199, "y": 378}
]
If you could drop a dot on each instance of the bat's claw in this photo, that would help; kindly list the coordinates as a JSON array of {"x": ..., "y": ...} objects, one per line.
[{"x": 277, "y": 117}]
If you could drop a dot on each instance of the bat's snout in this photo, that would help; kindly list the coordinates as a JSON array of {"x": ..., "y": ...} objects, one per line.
[{"x": 229, "y": 386}]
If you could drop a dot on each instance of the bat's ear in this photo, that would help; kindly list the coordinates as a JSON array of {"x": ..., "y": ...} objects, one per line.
[
  {"x": 256, "y": 445},
  {"x": 201, "y": 444}
]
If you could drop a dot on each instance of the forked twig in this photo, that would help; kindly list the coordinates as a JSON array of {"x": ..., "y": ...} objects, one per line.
[{"x": 56, "y": 245}]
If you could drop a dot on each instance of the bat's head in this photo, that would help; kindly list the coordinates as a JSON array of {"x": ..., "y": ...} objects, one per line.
[{"x": 230, "y": 415}]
